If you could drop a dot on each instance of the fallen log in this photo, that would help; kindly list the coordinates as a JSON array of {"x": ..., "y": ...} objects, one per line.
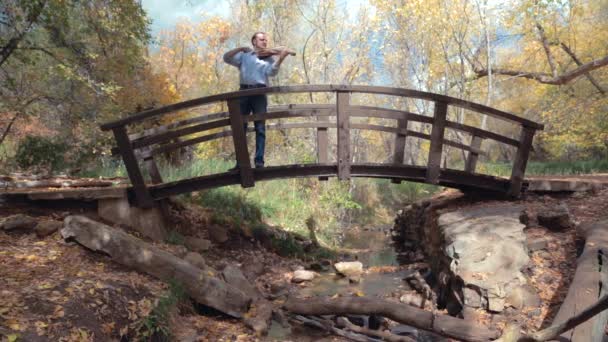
[
  {"x": 589, "y": 285},
  {"x": 127, "y": 250},
  {"x": 443, "y": 325}
]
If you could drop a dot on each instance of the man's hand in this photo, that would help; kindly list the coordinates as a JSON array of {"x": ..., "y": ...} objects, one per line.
[{"x": 284, "y": 53}]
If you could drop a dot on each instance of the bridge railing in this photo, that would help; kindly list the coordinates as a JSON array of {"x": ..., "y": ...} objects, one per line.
[{"x": 151, "y": 142}]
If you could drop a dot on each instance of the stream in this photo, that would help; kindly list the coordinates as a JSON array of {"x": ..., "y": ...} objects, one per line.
[{"x": 382, "y": 277}]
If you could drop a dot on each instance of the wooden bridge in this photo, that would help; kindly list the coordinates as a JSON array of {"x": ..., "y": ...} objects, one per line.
[{"x": 146, "y": 144}]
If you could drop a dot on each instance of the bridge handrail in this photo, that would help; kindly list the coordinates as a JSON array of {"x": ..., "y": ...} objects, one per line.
[
  {"x": 342, "y": 109},
  {"x": 324, "y": 88}
]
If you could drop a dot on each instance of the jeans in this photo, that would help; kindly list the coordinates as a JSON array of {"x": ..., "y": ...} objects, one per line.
[{"x": 256, "y": 104}]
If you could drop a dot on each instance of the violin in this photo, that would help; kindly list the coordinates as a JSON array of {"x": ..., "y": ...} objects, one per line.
[{"x": 273, "y": 51}]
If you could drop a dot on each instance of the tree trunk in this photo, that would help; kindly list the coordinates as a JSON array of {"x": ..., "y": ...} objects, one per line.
[
  {"x": 132, "y": 252},
  {"x": 443, "y": 325}
]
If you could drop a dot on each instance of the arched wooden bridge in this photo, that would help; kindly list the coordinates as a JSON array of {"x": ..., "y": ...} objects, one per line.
[{"x": 151, "y": 142}]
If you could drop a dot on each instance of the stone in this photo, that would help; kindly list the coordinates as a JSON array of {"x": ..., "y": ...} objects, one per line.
[
  {"x": 556, "y": 218},
  {"x": 196, "y": 260},
  {"x": 496, "y": 304},
  {"x": 469, "y": 314},
  {"x": 235, "y": 277},
  {"x": 524, "y": 296},
  {"x": 300, "y": 276},
  {"x": 47, "y": 227},
  {"x": 197, "y": 244},
  {"x": 413, "y": 299},
  {"x": 535, "y": 313},
  {"x": 405, "y": 330},
  {"x": 149, "y": 221},
  {"x": 472, "y": 298},
  {"x": 181, "y": 251},
  {"x": 486, "y": 246},
  {"x": 217, "y": 233},
  {"x": 18, "y": 222},
  {"x": 536, "y": 244},
  {"x": 350, "y": 269}
]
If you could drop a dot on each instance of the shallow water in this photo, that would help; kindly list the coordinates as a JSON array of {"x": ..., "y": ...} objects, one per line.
[{"x": 373, "y": 248}]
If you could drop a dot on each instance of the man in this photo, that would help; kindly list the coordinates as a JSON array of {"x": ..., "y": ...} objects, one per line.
[{"x": 255, "y": 66}]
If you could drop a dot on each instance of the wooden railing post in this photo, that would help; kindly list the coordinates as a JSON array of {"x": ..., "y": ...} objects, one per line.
[
  {"x": 399, "y": 152},
  {"x": 153, "y": 170},
  {"x": 343, "y": 125},
  {"x": 142, "y": 195},
  {"x": 471, "y": 162},
  {"x": 434, "y": 160},
  {"x": 521, "y": 160},
  {"x": 322, "y": 143},
  {"x": 240, "y": 143}
]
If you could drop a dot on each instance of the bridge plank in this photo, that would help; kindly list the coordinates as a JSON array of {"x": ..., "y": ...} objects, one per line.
[
  {"x": 471, "y": 162},
  {"x": 448, "y": 177},
  {"x": 164, "y": 136},
  {"x": 400, "y": 137},
  {"x": 385, "y": 113},
  {"x": 436, "y": 149},
  {"x": 521, "y": 160},
  {"x": 143, "y": 198},
  {"x": 343, "y": 122},
  {"x": 322, "y": 143},
  {"x": 399, "y": 151},
  {"x": 270, "y": 127},
  {"x": 240, "y": 143}
]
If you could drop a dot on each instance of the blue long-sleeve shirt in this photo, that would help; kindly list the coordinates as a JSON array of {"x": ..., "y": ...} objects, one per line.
[{"x": 252, "y": 69}]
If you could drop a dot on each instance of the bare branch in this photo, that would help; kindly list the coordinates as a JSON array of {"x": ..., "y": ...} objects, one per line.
[
  {"x": 545, "y": 41},
  {"x": 579, "y": 63},
  {"x": 544, "y": 77}
]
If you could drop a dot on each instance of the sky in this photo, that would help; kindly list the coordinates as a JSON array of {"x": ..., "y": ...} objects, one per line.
[{"x": 165, "y": 13}]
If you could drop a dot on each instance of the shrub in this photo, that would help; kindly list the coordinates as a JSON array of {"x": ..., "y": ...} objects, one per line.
[{"x": 40, "y": 153}]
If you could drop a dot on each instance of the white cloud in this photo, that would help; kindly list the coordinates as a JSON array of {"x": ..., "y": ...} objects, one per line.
[{"x": 165, "y": 13}]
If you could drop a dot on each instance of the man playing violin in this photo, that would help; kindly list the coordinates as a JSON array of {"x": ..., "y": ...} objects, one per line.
[{"x": 255, "y": 66}]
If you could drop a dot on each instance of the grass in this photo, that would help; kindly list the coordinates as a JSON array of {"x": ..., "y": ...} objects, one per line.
[
  {"x": 547, "y": 168},
  {"x": 157, "y": 325}
]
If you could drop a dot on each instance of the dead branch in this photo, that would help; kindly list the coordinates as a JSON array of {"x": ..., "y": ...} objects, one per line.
[
  {"x": 544, "y": 77},
  {"x": 385, "y": 335},
  {"x": 443, "y": 325}
]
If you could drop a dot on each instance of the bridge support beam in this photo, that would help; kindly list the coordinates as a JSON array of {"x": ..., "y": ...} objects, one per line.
[
  {"x": 342, "y": 103},
  {"x": 471, "y": 162},
  {"x": 142, "y": 195},
  {"x": 434, "y": 160},
  {"x": 240, "y": 143},
  {"x": 399, "y": 152},
  {"x": 521, "y": 160}
]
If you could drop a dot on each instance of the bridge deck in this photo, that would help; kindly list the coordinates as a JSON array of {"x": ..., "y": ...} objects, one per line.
[{"x": 450, "y": 178}]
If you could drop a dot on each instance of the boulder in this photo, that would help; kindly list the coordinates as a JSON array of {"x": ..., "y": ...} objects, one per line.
[
  {"x": 47, "y": 227},
  {"x": 197, "y": 244},
  {"x": 487, "y": 250},
  {"x": 196, "y": 260},
  {"x": 300, "y": 276},
  {"x": 350, "y": 269},
  {"x": 18, "y": 222},
  {"x": 235, "y": 277},
  {"x": 555, "y": 218},
  {"x": 217, "y": 233}
]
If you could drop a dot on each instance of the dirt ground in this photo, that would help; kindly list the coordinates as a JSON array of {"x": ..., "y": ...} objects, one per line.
[{"x": 52, "y": 290}]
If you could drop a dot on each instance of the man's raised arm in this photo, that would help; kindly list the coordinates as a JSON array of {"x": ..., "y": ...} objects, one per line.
[{"x": 231, "y": 57}]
